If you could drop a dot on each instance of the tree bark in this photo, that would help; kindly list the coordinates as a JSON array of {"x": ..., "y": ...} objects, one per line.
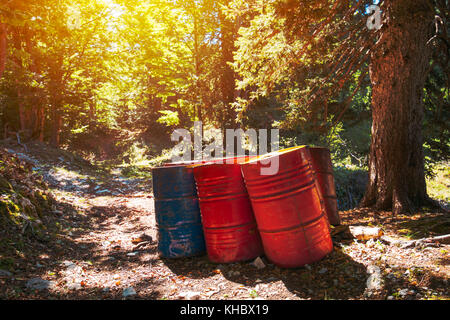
[
  {"x": 41, "y": 125},
  {"x": 57, "y": 101},
  {"x": 36, "y": 105},
  {"x": 398, "y": 70},
  {"x": 56, "y": 126},
  {"x": 92, "y": 116},
  {"x": 3, "y": 47},
  {"x": 17, "y": 38}
]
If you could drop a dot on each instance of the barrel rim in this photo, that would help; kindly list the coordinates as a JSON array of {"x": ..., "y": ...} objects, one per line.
[
  {"x": 170, "y": 167},
  {"x": 274, "y": 153},
  {"x": 238, "y": 160}
]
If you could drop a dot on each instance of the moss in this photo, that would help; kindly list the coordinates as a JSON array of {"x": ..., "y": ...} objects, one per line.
[
  {"x": 9, "y": 210},
  {"x": 8, "y": 207}
]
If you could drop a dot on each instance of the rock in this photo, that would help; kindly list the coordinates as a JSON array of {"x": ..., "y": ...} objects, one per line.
[
  {"x": 4, "y": 273},
  {"x": 323, "y": 270},
  {"x": 74, "y": 286},
  {"x": 233, "y": 273},
  {"x": 258, "y": 263},
  {"x": 39, "y": 284},
  {"x": 390, "y": 298},
  {"x": 374, "y": 281},
  {"x": 365, "y": 233},
  {"x": 128, "y": 292},
  {"x": 191, "y": 295},
  {"x": 403, "y": 292},
  {"x": 67, "y": 263}
]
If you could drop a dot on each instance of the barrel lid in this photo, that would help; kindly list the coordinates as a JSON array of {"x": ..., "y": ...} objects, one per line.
[
  {"x": 274, "y": 153},
  {"x": 222, "y": 161},
  {"x": 169, "y": 167}
]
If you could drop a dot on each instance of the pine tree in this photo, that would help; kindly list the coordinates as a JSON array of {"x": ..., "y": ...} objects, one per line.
[{"x": 394, "y": 42}]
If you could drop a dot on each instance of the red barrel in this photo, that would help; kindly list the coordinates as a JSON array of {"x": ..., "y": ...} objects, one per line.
[
  {"x": 228, "y": 221},
  {"x": 225, "y": 160},
  {"x": 321, "y": 163},
  {"x": 288, "y": 208}
]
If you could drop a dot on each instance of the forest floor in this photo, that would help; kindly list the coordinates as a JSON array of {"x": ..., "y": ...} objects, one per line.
[{"x": 103, "y": 246}]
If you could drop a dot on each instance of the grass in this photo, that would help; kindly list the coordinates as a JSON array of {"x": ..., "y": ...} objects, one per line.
[
  {"x": 350, "y": 182},
  {"x": 438, "y": 187}
]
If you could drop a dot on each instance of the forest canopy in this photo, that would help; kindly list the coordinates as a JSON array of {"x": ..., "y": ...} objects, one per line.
[{"x": 102, "y": 77}]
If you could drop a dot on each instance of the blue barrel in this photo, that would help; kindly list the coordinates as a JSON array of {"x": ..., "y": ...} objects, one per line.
[{"x": 177, "y": 213}]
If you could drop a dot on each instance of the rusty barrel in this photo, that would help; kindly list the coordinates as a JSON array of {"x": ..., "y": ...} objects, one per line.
[
  {"x": 229, "y": 224},
  {"x": 177, "y": 212},
  {"x": 288, "y": 208},
  {"x": 321, "y": 163}
]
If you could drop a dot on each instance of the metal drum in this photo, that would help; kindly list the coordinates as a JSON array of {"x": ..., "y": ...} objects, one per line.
[
  {"x": 321, "y": 163},
  {"x": 178, "y": 218},
  {"x": 228, "y": 222},
  {"x": 182, "y": 163},
  {"x": 288, "y": 208},
  {"x": 225, "y": 160}
]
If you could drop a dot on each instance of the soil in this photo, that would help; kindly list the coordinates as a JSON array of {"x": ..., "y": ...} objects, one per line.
[{"x": 103, "y": 245}]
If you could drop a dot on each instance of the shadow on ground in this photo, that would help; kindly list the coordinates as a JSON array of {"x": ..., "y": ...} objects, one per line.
[
  {"x": 337, "y": 276},
  {"x": 47, "y": 256}
]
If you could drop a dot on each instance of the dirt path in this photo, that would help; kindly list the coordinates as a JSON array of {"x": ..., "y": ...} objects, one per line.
[{"x": 105, "y": 248}]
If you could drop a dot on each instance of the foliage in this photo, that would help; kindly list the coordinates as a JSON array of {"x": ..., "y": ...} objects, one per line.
[{"x": 102, "y": 77}]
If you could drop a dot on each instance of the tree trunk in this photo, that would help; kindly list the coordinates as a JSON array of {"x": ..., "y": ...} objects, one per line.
[
  {"x": 398, "y": 70},
  {"x": 92, "y": 116},
  {"x": 41, "y": 125},
  {"x": 36, "y": 104},
  {"x": 3, "y": 48},
  {"x": 56, "y": 125},
  {"x": 227, "y": 77}
]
